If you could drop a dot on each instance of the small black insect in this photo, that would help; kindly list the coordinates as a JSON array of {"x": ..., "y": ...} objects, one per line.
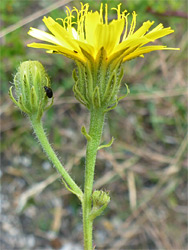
[{"x": 48, "y": 91}]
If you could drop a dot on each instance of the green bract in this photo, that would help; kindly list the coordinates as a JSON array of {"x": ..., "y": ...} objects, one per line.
[
  {"x": 29, "y": 83},
  {"x": 97, "y": 82}
]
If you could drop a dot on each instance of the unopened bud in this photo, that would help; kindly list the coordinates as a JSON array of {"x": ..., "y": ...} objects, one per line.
[
  {"x": 32, "y": 89},
  {"x": 100, "y": 198}
]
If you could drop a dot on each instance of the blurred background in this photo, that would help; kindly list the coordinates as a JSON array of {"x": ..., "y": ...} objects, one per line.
[{"x": 145, "y": 170}]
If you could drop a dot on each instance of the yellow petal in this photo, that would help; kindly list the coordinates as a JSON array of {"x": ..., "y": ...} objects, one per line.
[
  {"x": 44, "y": 36},
  {"x": 108, "y": 36},
  {"x": 144, "y": 50},
  {"x": 143, "y": 29},
  {"x": 59, "y": 50},
  {"x": 87, "y": 47},
  {"x": 132, "y": 42},
  {"x": 91, "y": 22},
  {"x": 153, "y": 35},
  {"x": 117, "y": 29},
  {"x": 158, "y": 27},
  {"x": 60, "y": 33}
]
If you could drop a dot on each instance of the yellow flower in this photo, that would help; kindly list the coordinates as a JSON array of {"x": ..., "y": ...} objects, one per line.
[
  {"x": 99, "y": 48},
  {"x": 87, "y": 32}
]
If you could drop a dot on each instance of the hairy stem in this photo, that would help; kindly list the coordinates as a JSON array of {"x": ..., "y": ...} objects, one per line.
[
  {"x": 39, "y": 131},
  {"x": 95, "y": 132}
]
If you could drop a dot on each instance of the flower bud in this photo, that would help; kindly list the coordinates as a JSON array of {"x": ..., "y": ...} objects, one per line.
[
  {"x": 100, "y": 198},
  {"x": 32, "y": 89}
]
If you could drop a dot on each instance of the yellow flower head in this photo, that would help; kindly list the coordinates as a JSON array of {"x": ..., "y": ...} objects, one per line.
[
  {"x": 99, "y": 48},
  {"x": 83, "y": 33}
]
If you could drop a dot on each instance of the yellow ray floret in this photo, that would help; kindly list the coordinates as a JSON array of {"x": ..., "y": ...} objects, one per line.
[{"x": 84, "y": 30}]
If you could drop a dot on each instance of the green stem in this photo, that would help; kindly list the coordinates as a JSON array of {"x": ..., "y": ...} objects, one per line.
[
  {"x": 95, "y": 132},
  {"x": 39, "y": 131}
]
